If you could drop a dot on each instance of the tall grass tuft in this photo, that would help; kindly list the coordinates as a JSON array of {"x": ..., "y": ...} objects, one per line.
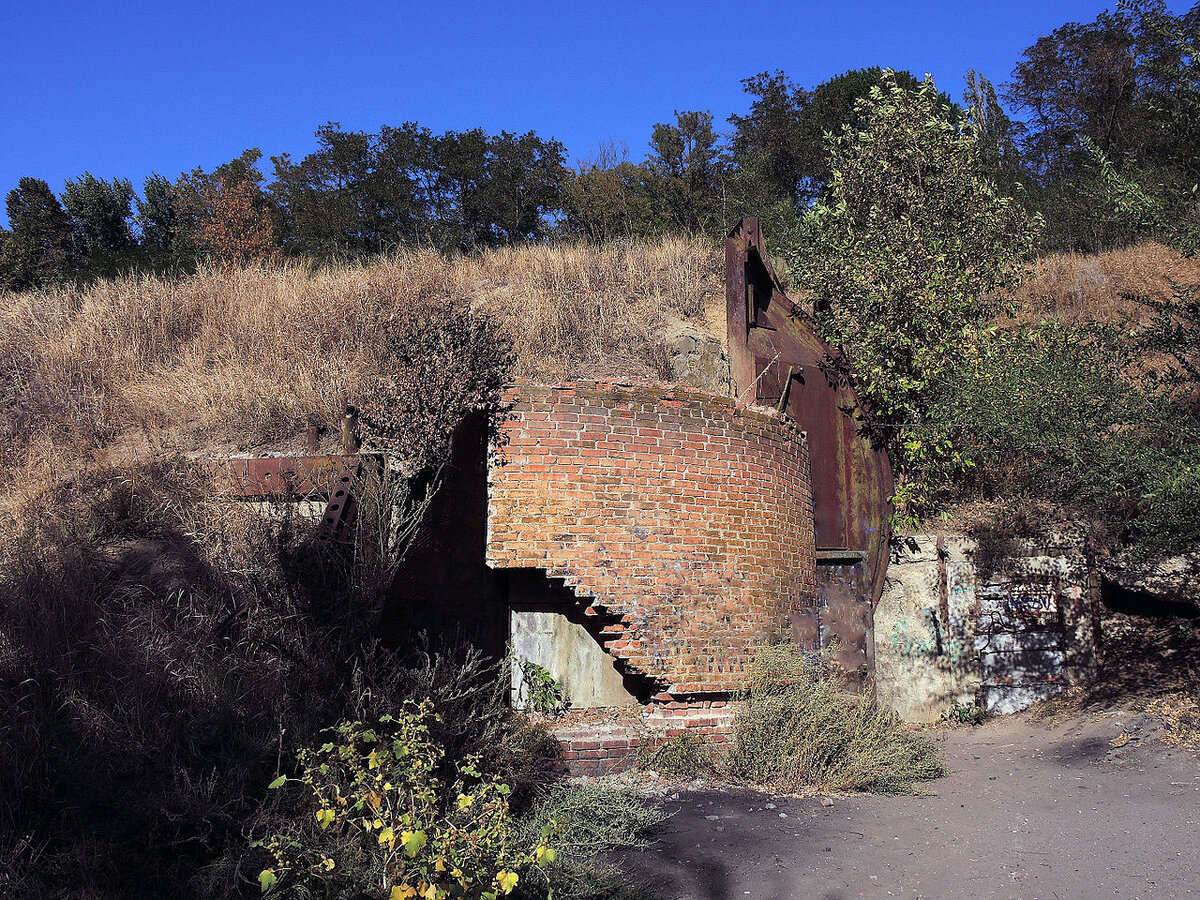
[{"x": 797, "y": 729}]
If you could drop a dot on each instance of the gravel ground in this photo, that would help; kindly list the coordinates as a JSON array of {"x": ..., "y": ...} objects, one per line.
[{"x": 1029, "y": 811}]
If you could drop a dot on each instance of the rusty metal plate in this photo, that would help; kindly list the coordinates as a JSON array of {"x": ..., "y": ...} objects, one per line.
[
  {"x": 282, "y": 476},
  {"x": 770, "y": 337}
]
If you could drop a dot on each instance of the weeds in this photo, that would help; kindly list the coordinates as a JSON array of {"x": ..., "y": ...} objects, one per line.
[
  {"x": 797, "y": 729},
  {"x": 248, "y": 356},
  {"x": 1180, "y": 714},
  {"x": 543, "y": 693},
  {"x": 961, "y": 713},
  {"x": 595, "y": 820},
  {"x": 685, "y": 755}
]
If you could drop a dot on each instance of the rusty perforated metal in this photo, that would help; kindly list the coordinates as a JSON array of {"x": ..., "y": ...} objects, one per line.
[{"x": 289, "y": 479}]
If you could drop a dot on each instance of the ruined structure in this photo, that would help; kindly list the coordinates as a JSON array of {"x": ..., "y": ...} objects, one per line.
[
  {"x": 957, "y": 626},
  {"x": 636, "y": 542},
  {"x": 680, "y": 522},
  {"x": 639, "y": 541},
  {"x": 777, "y": 359}
]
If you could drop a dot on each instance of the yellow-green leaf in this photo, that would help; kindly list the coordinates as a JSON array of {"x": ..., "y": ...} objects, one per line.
[
  {"x": 413, "y": 841},
  {"x": 507, "y": 881}
]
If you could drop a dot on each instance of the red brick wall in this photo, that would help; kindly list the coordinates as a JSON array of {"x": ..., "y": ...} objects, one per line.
[
  {"x": 599, "y": 748},
  {"x": 681, "y": 517}
]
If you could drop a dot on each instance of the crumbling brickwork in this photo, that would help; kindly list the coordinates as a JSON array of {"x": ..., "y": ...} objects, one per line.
[{"x": 681, "y": 519}]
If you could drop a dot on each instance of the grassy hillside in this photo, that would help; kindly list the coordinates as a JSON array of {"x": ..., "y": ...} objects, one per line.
[
  {"x": 162, "y": 652},
  {"x": 1079, "y": 288},
  {"x": 246, "y": 357}
]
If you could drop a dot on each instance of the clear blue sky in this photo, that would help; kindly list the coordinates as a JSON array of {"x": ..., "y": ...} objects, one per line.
[{"x": 126, "y": 89}]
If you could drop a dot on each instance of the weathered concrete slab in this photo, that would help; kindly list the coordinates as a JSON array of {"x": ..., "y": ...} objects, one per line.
[{"x": 948, "y": 632}]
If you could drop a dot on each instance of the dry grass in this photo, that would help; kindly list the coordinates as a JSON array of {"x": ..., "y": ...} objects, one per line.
[
  {"x": 246, "y": 357},
  {"x": 1082, "y": 288},
  {"x": 796, "y": 729},
  {"x": 581, "y": 311},
  {"x": 158, "y": 648}
]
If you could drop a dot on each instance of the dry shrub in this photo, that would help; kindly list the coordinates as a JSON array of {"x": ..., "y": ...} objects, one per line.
[
  {"x": 155, "y": 649},
  {"x": 684, "y": 755},
  {"x": 797, "y": 729},
  {"x": 1180, "y": 714}
]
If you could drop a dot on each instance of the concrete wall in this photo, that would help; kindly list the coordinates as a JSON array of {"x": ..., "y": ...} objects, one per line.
[
  {"x": 545, "y": 628},
  {"x": 948, "y": 630},
  {"x": 679, "y": 517}
]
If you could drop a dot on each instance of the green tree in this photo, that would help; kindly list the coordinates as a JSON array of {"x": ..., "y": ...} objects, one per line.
[
  {"x": 905, "y": 259},
  {"x": 40, "y": 248},
  {"x": 998, "y": 135},
  {"x": 402, "y": 184},
  {"x": 609, "y": 198},
  {"x": 837, "y": 104},
  {"x": 1116, "y": 96},
  {"x": 772, "y": 138},
  {"x": 100, "y": 214},
  {"x": 323, "y": 200},
  {"x": 522, "y": 189},
  {"x": 160, "y": 221},
  {"x": 685, "y": 172}
]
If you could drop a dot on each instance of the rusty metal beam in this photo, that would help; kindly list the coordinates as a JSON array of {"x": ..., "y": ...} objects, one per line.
[{"x": 280, "y": 476}]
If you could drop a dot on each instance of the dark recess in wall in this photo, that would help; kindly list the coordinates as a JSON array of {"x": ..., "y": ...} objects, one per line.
[
  {"x": 1143, "y": 603},
  {"x": 443, "y": 588}
]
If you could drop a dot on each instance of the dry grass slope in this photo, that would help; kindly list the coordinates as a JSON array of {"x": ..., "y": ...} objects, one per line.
[
  {"x": 244, "y": 358},
  {"x": 1079, "y": 288},
  {"x": 157, "y": 644}
]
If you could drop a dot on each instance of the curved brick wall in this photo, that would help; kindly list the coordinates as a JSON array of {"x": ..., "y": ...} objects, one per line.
[{"x": 680, "y": 518}]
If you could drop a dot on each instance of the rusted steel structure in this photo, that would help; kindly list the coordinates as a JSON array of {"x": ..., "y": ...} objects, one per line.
[
  {"x": 778, "y": 359},
  {"x": 290, "y": 478}
]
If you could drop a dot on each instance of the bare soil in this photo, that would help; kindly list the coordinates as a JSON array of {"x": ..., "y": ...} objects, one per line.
[{"x": 1094, "y": 807}]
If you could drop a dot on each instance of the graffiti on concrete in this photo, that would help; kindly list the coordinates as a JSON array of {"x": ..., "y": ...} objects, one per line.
[{"x": 1005, "y": 639}]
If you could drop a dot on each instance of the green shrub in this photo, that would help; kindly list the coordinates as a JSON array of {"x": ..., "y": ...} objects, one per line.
[
  {"x": 796, "y": 728},
  {"x": 898, "y": 286},
  {"x": 684, "y": 755},
  {"x": 960, "y": 713},
  {"x": 377, "y": 821},
  {"x": 544, "y": 693},
  {"x": 470, "y": 692}
]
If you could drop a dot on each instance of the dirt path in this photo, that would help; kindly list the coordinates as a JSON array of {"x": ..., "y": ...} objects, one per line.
[{"x": 1028, "y": 812}]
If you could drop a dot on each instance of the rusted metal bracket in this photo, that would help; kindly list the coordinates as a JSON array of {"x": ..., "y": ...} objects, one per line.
[{"x": 291, "y": 479}]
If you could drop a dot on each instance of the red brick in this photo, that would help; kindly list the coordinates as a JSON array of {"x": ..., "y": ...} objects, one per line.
[{"x": 712, "y": 517}]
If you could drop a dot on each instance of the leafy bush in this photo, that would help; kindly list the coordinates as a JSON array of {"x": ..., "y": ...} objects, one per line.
[
  {"x": 898, "y": 286},
  {"x": 796, "y": 728},
  {"x": 386, "y": 826},
  {"x": 1082, "y": 415},
  {"x": 543, "y": 693},
  {"x": 470, "y": 692},
  {"x": 961, "y": 713}
]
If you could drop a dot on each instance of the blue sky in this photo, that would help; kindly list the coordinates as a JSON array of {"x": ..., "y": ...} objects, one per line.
[{"x": 126, "y": 89}]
